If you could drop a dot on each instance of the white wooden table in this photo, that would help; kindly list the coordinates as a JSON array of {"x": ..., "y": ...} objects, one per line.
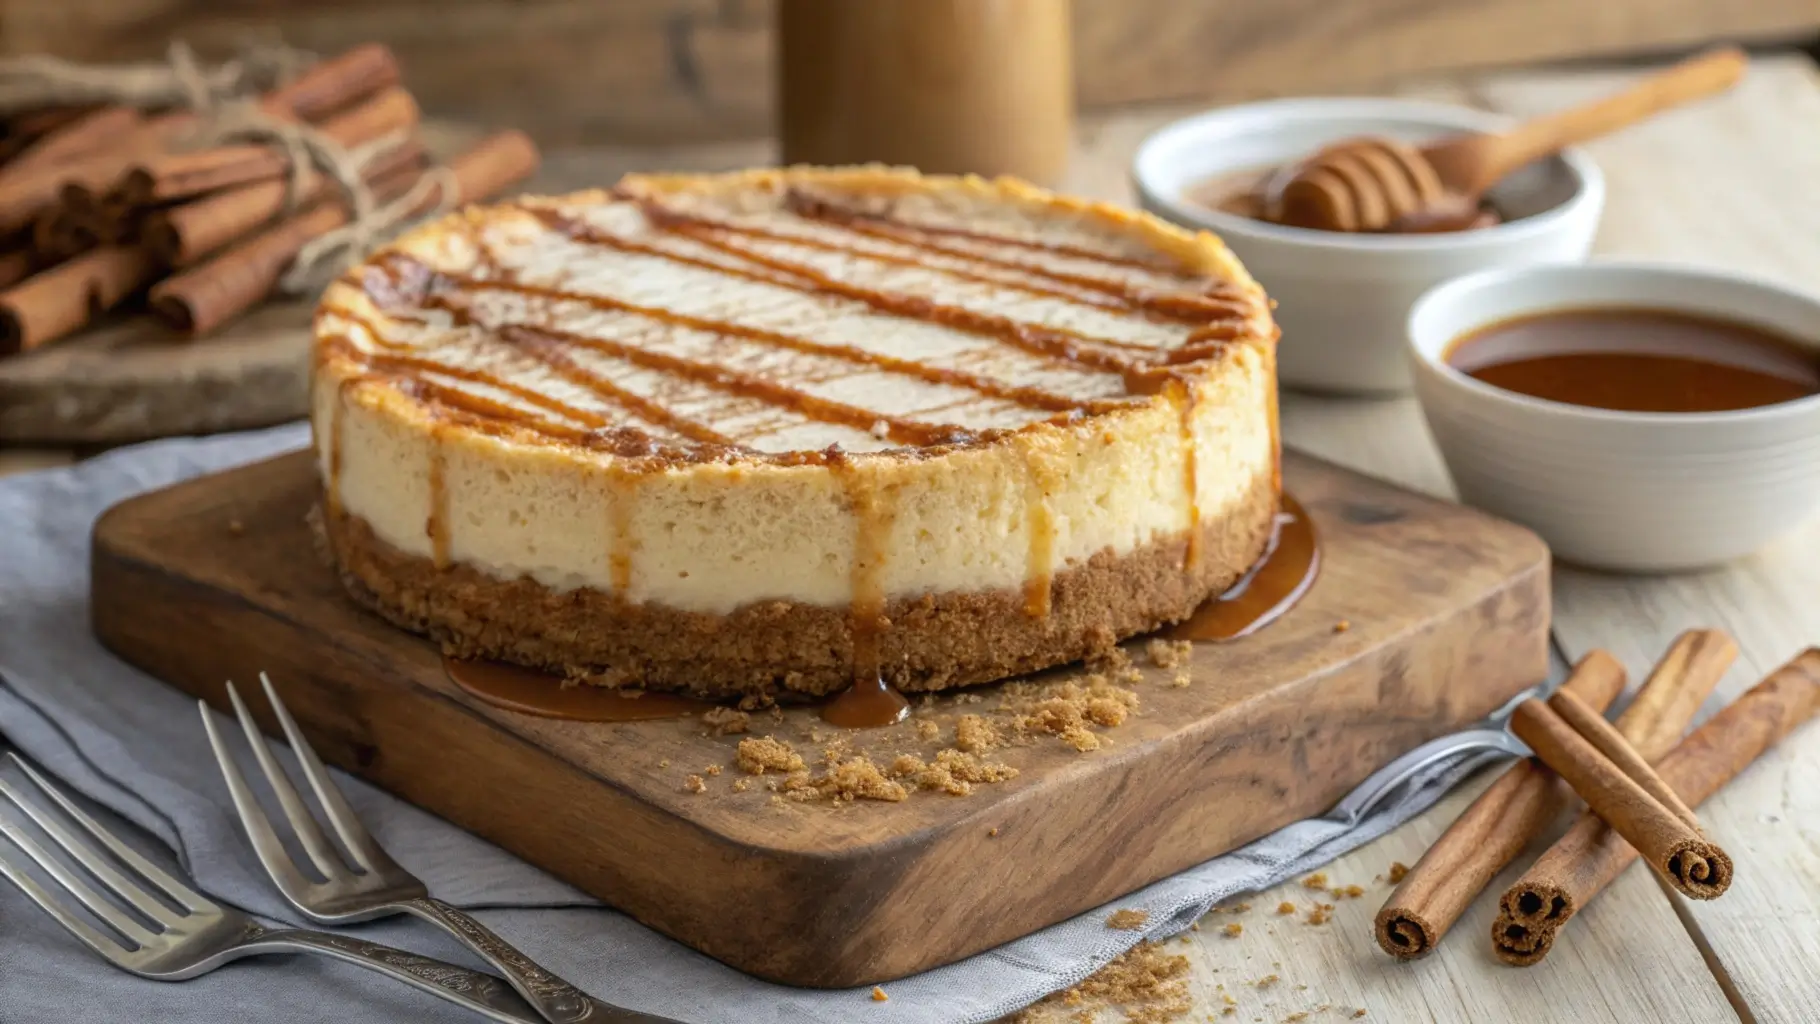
[{"x": 1734, "y": 182}]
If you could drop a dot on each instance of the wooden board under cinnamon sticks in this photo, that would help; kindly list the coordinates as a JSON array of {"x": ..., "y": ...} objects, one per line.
[{"x": 1274, "y": 727}]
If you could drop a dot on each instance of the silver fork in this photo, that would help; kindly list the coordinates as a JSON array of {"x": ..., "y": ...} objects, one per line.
[
  {"x": 168, "y": 944},
  {"x": 373, "y": 885}
]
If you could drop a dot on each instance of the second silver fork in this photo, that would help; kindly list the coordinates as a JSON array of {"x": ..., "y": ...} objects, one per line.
[{"x": 374, "y": 885}]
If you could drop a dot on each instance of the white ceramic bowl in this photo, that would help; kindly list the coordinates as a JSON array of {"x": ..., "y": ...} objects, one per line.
[
  {"x": 1631, "y": 491},
  {"x": 1343, "y": 299}
]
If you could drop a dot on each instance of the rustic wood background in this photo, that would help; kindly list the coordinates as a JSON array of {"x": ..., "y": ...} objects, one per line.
[{"x": 658, "y": 71}]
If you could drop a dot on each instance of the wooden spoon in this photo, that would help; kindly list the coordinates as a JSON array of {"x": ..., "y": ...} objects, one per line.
[{"x": 1368, "y": 184}]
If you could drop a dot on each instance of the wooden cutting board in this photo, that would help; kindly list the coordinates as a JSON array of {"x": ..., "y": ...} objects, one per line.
[{"x": 1447, "y": 613}]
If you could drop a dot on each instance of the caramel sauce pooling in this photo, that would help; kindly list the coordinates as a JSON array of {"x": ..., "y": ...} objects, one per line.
[{"x": 1639, "y": 360}]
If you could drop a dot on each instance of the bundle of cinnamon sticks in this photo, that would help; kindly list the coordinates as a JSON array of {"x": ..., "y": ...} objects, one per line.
[
  {"x": 1639, "y": 779},
  {"x": 102, "y": 206}
]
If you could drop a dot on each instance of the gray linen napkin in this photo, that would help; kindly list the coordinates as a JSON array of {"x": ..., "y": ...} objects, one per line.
[{"x": 134, "y": 747}]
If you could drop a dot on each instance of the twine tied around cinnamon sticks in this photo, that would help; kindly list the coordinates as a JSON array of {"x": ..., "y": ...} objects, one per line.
[
  {"x": 309, "y": 150},
  {"x": 39, "y": 81},
  {"x": 225, "y": 97}
]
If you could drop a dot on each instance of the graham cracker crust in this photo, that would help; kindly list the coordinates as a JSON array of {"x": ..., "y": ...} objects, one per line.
[{"x": 933, "y": 642}]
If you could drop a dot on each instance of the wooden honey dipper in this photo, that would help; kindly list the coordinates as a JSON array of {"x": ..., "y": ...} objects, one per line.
[{"x": 1375, "y": 184}]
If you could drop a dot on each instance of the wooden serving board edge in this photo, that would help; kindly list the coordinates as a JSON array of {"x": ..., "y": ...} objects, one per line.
[{"x": 845, "y": 922}]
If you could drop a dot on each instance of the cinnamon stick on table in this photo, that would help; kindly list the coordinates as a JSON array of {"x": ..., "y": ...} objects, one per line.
[
  {"x": 166, "y": 177},
  {"x": 1489, "y": 835},
  {"x": 1679, "y": 852},
  {"x": 1591, "y": 855},
  {"x": 61, "y": 300},
  {"x": 94, "y": 130},
  {"x": 316, "y": 93},
  {"x": 181, "y": 235},
  {"x": 210, "y": 294}
]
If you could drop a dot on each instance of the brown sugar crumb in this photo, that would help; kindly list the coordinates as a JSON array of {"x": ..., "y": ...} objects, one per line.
[
  {"x": 1353, "y": 892},
  {"x": 1318, "y": 880},
  {"x": 665, "y": 763},
  {"x": 757, "y": 756},
  {"x": 1181, "y": 680},
  {"x": 878, "y": 994},
  {"x": 695, "y": 784},
  {"x": 974, "y": 735},
  {"x": 1106, "y": 711},
  {"x": 1169, "y": 653},
  {"x": 1360, "y": 1012},
  {"x": 1234, "y": 930},
  {"x": 1238, "y": 908},
  {"x": 993, "y": 834},
  {"x": 853, "y": 779},
  {"x": 726, "y": 721},
  {"x": 1321, "y": 914},
  {"x": 1128, "y": 920},
  {"x": 928, "y": 730},
  {"x": 904, "y": 765},
  {"x": 1147, "y": 984},
  {"x": 1398, "y": 870},
  {"x": 1266, "y": 981},
  {"x": 1081, "y": 739},
  {"x": 954, "y": 772},
  {"x": 712, "y": 769},
  {"x": 741, "y": 785},
  {"x": 1342, "y": 626},
  {"x": 1296, "y": 1016},
  {"x": 1285, "y": 908}
]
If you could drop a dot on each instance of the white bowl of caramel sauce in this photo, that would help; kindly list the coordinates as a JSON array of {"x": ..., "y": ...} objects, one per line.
[
  {"x": 1343, "y": 298},
  {"x": 1640, "y": 417}
]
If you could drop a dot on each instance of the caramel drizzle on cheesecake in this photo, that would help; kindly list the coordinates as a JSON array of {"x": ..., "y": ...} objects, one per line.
[
  {"x": 1189, "y": 307},
  {"x": 436, "y": 524},
  {"x": 1217, "y": 313}
]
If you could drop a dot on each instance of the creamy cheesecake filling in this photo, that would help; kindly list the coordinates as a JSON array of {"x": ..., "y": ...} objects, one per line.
[{"x": 706, "y": 399}]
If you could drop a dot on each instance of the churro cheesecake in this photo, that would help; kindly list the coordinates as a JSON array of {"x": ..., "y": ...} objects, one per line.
[{"x": 773, "y": 431}]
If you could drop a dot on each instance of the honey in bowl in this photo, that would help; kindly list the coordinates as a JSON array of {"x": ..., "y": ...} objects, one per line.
[
  {"x": 1241, "y": 194},
  {"x": 1639, "y": 360}
]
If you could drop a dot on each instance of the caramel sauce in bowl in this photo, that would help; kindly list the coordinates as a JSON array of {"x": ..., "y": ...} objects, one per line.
[{"x": 1640, "y": 417}]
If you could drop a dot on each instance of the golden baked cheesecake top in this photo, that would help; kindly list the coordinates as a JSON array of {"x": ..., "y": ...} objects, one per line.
[{"x": 835, "y": 387}]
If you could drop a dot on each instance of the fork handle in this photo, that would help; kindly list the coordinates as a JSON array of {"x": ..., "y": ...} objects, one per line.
[
  {"x": 482, "y": 993},
  {"x": 558, "y": 1001}
]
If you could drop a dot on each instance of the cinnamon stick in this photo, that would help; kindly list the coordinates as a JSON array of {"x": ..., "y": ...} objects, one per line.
[
  {"x": 166, "y": 177},
  {"x": 316, "y": 93},
  {"x": 210, "y": 294},
  {"x": 15, "y": 267},
  {"x": 330, "y": 85},
  {"x": 1592, "y": 726},
  {"x": 92, "y": 131},
  {"x": 182, "y": 234},
  {"x": 60, "y": 300},
  {"x": 63, "y": 230},
  {"x": 1499, "y": 824},
  {"x": 1687, "y": 859},
  {"x": 26, "y": 192},
  {"x": 1591, "y": 855}
]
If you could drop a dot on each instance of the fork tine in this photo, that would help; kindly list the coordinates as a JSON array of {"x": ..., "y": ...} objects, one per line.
[
  {"x": 302, "y": 821},
  {"x": 105, "y": 945},
  {"x": 83, "y": 854},
  {"x": 366, "y": 853},
  {"x": 130, "y": 891},
  {"x": 258, "y": 827}
]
